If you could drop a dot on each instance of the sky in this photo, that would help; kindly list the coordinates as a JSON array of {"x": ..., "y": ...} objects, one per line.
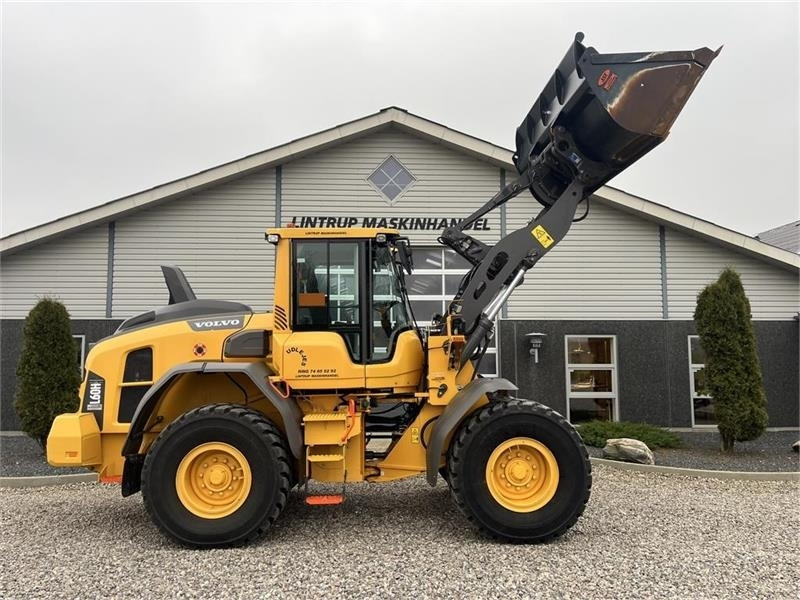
[{"x": 103, "y": 100}]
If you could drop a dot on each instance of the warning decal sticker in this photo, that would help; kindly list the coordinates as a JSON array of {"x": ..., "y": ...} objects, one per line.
[{"x": 541, "y": 235}]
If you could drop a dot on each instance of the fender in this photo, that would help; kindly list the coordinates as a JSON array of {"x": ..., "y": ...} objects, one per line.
[
  {"x": 256, "y": 371},
  {"x": 455, "y": 412}
]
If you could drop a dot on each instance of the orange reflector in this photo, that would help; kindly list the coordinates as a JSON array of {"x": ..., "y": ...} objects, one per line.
[
  {"x": 325, "y": 500},
  {"x": 112, "y": 479}
]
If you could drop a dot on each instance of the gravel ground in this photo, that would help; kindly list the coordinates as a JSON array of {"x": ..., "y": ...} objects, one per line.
[
  {"x": 643, "y": 535},
  {"x": 771, "y": 452},
  {"x": 21, "y": 456}
]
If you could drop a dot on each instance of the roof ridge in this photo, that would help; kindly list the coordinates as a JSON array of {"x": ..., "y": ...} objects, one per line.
[{"x": 392, "y": 115}]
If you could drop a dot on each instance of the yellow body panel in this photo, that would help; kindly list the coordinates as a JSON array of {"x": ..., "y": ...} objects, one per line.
[
  {"x": 404, "y": 371},
  {"x": 445, "y": 380},
  {"x": 190, "y": 392},
  {"x": 334, "y": 446},
  {"x": 113, "y": 461},
  {"x": 173, "y": 344},
  {"x": 74, "y": 440},
  {"x": 407, "y": 456},
  {"x": 316, "y": 360}
]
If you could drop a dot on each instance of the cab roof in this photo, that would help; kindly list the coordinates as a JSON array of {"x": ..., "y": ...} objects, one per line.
[{"x": 331, "y": 232}]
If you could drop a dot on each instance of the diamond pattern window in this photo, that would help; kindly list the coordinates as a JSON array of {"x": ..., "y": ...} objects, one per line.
[{"x": 391, "y": 179}]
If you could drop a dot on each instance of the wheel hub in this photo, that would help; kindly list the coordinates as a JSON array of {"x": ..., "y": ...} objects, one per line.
[
  {"x": 218, "y": 477},
  {"x": 519, "y": 472},
  {"x": 213, "y": 480},
  {"x": 522, "y": 474}
]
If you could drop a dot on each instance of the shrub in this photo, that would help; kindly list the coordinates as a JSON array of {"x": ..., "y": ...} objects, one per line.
[
  {"x": 732, "y": 371},
  {"x": 597, "y": 433},
  {"x": 48, "y": 373}
]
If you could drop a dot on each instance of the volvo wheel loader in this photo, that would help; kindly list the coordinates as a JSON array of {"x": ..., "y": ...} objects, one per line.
[{"x": 216, "y": 412}]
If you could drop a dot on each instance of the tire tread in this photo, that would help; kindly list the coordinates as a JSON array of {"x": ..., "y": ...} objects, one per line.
[
  {"x": 494, "y": 410},
  {"x": 258, "y": 423}
]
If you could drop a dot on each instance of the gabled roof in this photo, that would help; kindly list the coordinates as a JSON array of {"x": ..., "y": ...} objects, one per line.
[
  {"x": 403, "y": 120},
  {"x": 388, "y": 117},
  {"x": 786, "y": 237}
]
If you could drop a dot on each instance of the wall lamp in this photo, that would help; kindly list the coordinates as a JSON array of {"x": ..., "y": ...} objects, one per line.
[{"x": 535, "y": 340}]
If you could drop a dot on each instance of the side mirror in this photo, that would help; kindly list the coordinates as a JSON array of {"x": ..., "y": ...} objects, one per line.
[{"x": 404, "y": 253}]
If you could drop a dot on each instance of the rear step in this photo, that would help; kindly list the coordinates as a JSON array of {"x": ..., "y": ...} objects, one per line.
[
  {"x": 326, "y": 435},
  {"x": 325, "y": 500}
]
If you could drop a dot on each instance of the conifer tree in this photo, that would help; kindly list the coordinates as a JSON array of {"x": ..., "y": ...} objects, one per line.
[
  {"x": 732, "y": 370},
  {"x": 48, "y": 373}
]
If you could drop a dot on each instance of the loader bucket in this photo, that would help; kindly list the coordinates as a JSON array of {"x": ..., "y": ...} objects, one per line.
[{"x": 616, "y": 107}]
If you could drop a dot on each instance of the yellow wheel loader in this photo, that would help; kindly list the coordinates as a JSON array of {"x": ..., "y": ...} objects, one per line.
[{"x": 215, "y": 412}]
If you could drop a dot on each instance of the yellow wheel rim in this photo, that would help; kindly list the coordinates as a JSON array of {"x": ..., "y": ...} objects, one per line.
[
  {"x": 522, "y": 475},
  {"x": 213, "y": 480}
]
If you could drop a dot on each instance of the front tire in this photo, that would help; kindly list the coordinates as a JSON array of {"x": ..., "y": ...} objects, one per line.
[
  {"x": 217, "y": 476},
  {"x": 519, "y": 471}
]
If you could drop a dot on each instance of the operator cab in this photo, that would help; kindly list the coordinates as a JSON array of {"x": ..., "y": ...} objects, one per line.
[
  {"x": 353, "y": 287},
  {"x": 346, "y": 305}
]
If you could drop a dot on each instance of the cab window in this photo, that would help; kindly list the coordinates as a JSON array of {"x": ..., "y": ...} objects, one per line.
[{"x": 326, "y": 290}]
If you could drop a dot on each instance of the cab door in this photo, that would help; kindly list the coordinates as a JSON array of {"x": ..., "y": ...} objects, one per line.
[
  {"x": 396, "y": 357},
  {"x": 327, "y": 347}
]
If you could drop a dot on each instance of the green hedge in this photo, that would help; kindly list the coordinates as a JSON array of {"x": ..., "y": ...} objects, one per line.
[{"x": 596, "y": 433}]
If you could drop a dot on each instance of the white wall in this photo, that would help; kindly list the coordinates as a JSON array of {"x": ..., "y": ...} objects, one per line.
[
  {"x": 334, "y": 182},
  {"x": 216, "y": 236},
  {"x": 607, "y": 267},
  {"x": 72, "y": 269},
  {"x": 774, "y": 293}
]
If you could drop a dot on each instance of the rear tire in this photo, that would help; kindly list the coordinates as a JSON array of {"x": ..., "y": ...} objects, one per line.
[
  {"x": 519, "y": 471},
  {"x": 217, "y": 476}
]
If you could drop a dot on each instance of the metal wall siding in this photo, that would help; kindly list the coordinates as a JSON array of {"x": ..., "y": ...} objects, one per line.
[
  {"x": 216, "y": 236},
  {"x": 607, "y": 267},
  {"x": 334, "y": 183},
  {"x": 774, "y": 293},
  {"x": 71, "y": 269}
]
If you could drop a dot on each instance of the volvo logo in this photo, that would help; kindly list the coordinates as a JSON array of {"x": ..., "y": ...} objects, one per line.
[{"x": 219, "y": 323}]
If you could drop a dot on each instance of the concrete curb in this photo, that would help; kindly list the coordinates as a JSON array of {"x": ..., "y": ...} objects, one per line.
[
  {"x": 739, "y": 475},
  {"x": 44, "y": 480}
]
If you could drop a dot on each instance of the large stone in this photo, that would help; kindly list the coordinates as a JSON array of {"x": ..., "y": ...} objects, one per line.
[
  {"x": 796, "y": 446},
  {"x": 628, "y": 450}
]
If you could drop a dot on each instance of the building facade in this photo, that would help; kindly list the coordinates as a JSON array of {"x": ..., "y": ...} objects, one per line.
[{"x": 611, "y": 306}]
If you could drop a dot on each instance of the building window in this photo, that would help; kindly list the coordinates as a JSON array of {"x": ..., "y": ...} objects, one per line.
[
  {"x": 702, "y": 404},
  {"x": 437, "y": 275},
  {"x": 80, "y": 349},
  {"x": 591, "y": 378},
  {"x": 136, "y": 380},
  {"x": 391, "y": 179}
]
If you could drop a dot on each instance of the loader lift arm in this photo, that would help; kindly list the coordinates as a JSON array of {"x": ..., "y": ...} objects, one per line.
[{"x": 596, "y": 116}]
